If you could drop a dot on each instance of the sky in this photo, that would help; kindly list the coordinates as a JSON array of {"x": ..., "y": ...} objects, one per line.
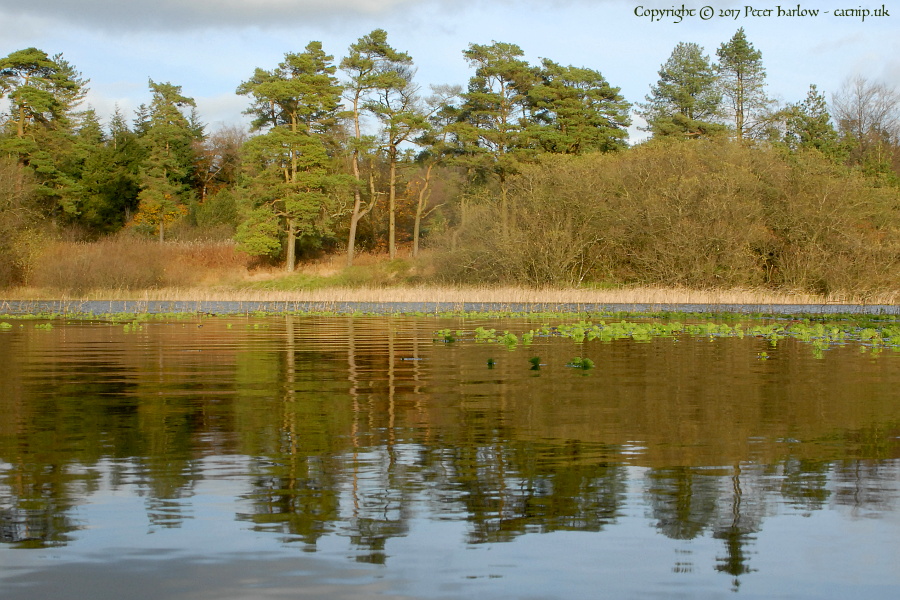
[{"x": 209, "y": 47}]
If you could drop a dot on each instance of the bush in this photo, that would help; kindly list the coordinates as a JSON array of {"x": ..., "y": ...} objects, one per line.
[
  {"x": 699, "y": 214},
  {"x": 19, "y": 235}
]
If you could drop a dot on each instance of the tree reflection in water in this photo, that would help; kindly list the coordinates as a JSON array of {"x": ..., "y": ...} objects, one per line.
[{"x": 356, "y": 427}]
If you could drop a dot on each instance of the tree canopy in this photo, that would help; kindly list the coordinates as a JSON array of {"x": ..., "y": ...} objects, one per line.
[{"x": 687, "y": 99}]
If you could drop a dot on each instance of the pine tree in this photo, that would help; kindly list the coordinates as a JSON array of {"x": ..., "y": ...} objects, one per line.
[
  {"x": 296, "y": 105},
  {"x": 686, "y": 102},
  {"x": 743, "y": 82},
  {"x": 576, "y": 111},
  {"x": 494, "y": 118},
  {"x": 375, "y": 72},
  {"x": 167, "y": 170},
  {"x": 43, "y": 93},
  {"x": 808, "y": 126},
  {"x": 402, "y": 118}
]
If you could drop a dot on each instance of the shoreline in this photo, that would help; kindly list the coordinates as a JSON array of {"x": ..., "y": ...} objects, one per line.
[
  {"x": 431, "y": 299},
  {"x": 217, "y": 307}
]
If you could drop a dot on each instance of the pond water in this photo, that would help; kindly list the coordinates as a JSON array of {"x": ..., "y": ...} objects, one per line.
[{"x": 371, "y": 457}]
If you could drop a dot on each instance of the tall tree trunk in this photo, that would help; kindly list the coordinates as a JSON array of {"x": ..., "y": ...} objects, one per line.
[
  {"x": 291, "y": 259},
  {"x": 504, "y": 207},
  {"x": 392, "y": 231},
  {"x": 351, "y": 237},
  {"x": 420, "y": 209},
  {"x": 356, "y": 215},
  {"x": 357, "y": 196}
]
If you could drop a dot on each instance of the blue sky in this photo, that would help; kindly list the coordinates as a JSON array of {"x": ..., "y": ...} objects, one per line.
[{"x": 209, "y": 46}]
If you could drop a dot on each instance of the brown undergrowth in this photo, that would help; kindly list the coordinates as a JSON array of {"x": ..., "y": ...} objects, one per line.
[{"x": 126, "y": 268}]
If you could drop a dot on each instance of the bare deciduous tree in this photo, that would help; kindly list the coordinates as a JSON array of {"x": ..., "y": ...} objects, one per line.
[{"x": 868, "y": 113}]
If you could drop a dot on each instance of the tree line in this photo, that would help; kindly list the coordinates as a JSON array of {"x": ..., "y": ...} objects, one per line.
[{"x": 351, "y": 153}]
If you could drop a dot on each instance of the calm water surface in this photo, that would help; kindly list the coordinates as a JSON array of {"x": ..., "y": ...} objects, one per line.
[{"x": 342, "y": 457}]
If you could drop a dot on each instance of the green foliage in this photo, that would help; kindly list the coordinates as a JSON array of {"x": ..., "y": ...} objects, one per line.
[
  {"x": 491, "y": 135},
  {"x": 395, "y": 103},
  {"x": 808, "y": 126},
  {"x": 43, "y": 93},
  {"x": 218, "y": 209},
  {"x": 260, "y": 233},
  {"x": 742, "y": 78},
  {"x": 581, "y": 363},
  {"x": 296, "y": 105},
  {"x": 376, "y": 74},
  {"x": 819, "y": 337},
  {"x": 577, "y": 111},
  {"x": 169, "y": 137},
  {"x": 445, "y": 335},
  {"x": 109, "y": 177},
  {"x": 686, "y": 101}
]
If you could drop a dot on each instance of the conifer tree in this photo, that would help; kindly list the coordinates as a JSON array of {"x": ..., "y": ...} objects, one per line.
[
  {"x": 402, "y": 118},
  {"x": 110, "y": 179},
  {"x": 167, "y": 169},
  {"x": 808, "y": 125},
  {"x": 43, "y": 93},
  {"x": 493, "y": 127},
  {"x": 743, "y": 81},
  {"x": 686, "y": 102},
  {"x": 296, "y": 107},
  {"x": 576, "y": 111},
  {"x": 377, "y": 76}
]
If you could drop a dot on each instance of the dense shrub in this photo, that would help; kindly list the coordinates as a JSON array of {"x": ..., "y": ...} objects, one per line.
[
  {"x": 700, "y": 214},
  {"x": 19, "y": 233}
]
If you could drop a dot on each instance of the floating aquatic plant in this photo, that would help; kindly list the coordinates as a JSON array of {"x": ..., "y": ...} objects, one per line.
[
  {"x": 580, "y": 363},
  {"x": 445, "y": 335},
  {"x": 821, "y": 335},
  {"x": 510, "y": 340}
]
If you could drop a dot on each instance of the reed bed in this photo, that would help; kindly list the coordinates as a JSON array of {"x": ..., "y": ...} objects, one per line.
[{"x": 459, "y": 294}]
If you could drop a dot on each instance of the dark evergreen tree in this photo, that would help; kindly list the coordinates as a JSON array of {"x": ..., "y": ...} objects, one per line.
[
  {"x": 43, "y": 93},
  {"x": 168, "y": 169},
  {"x": 686, "y": 102},
  {"x": 808, "y": 126},
  {"x": 577, "y": 111},
  {"x": 495, "y": 114},
  {"x": 110, "y": 179},
  {"x": 377, "y": 76}
]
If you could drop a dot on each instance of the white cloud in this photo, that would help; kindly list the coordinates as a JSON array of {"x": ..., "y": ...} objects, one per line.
[
  {"x": 180, "y": 15},
  {"x": 183, "y": 15}
]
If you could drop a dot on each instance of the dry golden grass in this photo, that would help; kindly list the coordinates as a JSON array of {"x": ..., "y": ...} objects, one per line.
[
  {"x": 500, "y": 295},
  {"x": 115, "y": 270}
]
